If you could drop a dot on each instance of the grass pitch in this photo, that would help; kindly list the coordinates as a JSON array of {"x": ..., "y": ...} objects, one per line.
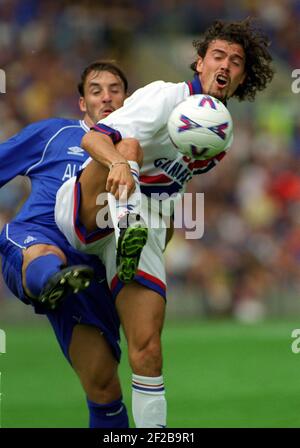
[{"x": 218, "y": 374}]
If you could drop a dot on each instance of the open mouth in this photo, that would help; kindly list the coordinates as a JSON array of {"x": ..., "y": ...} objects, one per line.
[{"x": 221, "y": 81}]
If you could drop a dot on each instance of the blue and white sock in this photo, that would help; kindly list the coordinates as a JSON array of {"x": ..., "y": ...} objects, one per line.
[
  {"x": 111, "y": 415},
  {"x": 121, "y": 207},
  {"x": 149, "y": 406},
  {"x": 40, "y": 270}
]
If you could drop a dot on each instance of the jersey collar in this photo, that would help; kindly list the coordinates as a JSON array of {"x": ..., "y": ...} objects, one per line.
[
  {"x": 84, "y": 125},
  {"x": 195, "y": 86}
]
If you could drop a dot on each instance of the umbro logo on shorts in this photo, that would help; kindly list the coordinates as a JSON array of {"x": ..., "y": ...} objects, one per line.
[{"x": 76, "y": 151}]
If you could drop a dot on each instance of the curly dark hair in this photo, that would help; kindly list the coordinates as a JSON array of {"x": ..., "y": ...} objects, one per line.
[
  {"x": 255, "y": 44},
  {"x": 101, "y": 66}
]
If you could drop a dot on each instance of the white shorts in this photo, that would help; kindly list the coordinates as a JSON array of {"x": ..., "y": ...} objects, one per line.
[{"x": 151, "y": 270}]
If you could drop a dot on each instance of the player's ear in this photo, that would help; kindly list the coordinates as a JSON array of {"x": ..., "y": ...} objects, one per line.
[
  {"x": 82, "y": 105},
  {"x": 199, "y": 65}
]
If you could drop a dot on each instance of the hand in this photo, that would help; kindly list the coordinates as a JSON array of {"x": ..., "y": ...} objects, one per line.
[{"x": 120, "y": 181}]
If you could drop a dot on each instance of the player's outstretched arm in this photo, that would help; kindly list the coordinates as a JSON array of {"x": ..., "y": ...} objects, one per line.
[
  {"x": 118, "y": 174},
  {"x": 115, "y": 158},
  {"x": 101, "y": 148}
]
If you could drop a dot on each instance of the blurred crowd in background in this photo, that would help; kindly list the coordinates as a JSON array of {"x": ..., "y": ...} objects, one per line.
[{"x": 247, "y": 264}]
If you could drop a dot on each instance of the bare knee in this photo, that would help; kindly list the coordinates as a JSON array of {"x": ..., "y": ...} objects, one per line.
[
  {"x": 131, "y": 150},
  {"x": 141, "y": 312},
  {"x": 101, "y": 389},
  {"x": 95, "y": 364},
  {"x": 145, "y": 356}
]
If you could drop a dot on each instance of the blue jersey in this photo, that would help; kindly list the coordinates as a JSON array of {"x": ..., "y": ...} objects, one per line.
[{"x": 49, "y": 153}]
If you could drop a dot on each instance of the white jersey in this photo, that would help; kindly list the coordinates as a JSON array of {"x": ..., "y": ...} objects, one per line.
[{"x": 144, "y": 117}]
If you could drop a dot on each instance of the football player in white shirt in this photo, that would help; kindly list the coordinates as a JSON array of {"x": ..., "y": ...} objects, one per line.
[{"x": 232, "y": 61}]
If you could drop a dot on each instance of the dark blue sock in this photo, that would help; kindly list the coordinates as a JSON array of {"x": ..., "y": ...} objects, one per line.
[
  {"x": 111, "y": 415},
  {"x": 40, "y": 270}
]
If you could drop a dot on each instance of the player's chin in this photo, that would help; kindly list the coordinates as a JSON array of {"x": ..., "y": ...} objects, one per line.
[{"x": 220, "y": 94}]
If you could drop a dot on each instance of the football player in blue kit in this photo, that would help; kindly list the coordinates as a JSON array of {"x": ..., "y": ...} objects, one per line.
[{"x": 41, "y": 268}]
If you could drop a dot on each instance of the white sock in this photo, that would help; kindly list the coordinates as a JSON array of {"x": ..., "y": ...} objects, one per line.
[
  {"x": 121, "y": 207},
  {"x": 149, "y": 406}
]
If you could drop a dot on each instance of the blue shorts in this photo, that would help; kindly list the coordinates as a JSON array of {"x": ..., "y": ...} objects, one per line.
[{"x": 94, "y": 306}]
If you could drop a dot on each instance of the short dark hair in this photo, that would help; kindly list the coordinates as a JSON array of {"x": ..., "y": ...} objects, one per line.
[
  {"x": 255, "y": 44},
  {"x": 101, "y": 66}
]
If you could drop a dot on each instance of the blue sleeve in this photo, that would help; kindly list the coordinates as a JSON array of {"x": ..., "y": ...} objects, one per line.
[{"x": 26, "y": 148}]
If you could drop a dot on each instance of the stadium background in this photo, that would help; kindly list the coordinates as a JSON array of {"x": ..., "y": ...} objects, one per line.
[{"x": 245, "y": 270}]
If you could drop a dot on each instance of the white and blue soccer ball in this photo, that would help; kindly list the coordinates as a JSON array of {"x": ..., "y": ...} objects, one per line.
[{"x": 201, "y": 127}]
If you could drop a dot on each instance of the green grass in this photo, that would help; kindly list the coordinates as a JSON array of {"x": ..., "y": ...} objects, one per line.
[{"x": 217, "y": 374}]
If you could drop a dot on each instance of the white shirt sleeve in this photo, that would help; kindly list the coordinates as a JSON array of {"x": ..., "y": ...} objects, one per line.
[{"x": 146, "y": 111}]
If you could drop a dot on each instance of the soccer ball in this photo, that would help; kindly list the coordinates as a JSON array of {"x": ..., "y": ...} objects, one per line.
[{"x": 200, "y": 127}]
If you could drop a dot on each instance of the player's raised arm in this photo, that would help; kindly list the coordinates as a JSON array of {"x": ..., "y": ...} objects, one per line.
[{"x": 103, "y": 150}]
